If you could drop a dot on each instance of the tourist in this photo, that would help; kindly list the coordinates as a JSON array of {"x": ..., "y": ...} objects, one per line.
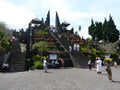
[
  {"x": 5, "y": 67},
  {"x": 99, "y": 66},
  {"x": 61, "y": 62},
  {"x": 78, "y": 47},
  {"x": 70, "y": 48},
  {"x": 45, "y": 65},
  {"x": 13, "y": 39},
  {"x": 75, "y": 47},
  {"x": 115, "y": 64},
  {"x": 89, "y": 65},
  {"x": 108, "y": 70}
]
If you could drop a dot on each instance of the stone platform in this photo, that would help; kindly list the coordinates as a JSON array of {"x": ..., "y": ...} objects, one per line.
[{"x": 60, "y": 79}]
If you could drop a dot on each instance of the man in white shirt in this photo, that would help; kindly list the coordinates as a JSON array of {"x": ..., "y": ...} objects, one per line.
[{"x": 99, "y": 66}]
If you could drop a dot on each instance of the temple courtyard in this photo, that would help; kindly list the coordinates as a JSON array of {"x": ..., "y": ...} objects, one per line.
[{"x": 60, "y": 79}]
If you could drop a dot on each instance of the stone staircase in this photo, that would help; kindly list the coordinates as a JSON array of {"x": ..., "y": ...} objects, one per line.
[
  {"x": 78, "y": 59},
  {"x": 17, "y": 58}
]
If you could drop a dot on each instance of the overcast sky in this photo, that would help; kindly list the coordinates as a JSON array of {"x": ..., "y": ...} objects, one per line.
[{"x": 18, "y": 13}]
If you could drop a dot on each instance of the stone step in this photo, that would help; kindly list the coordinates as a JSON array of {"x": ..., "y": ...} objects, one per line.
[
  {"x": 17, "y": 61},
  {"x": 17, "y": 58},
  {"x": 78, "y": 59},
  {"x": 17, "y": 67},
  {"x": 17, "y": 70}
]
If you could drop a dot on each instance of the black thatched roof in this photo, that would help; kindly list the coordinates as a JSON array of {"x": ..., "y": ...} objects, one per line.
[{"x": 36, "y": 21}]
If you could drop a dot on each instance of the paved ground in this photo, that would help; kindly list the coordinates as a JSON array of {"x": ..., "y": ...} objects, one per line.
[{"x": 60, "y": 79}]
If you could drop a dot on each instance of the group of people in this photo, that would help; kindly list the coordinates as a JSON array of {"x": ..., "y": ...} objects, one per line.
[
  {"x": 98, "y": 65},
  {"x": 75, "y": 47},
  {"x": 54, "y": 63}
]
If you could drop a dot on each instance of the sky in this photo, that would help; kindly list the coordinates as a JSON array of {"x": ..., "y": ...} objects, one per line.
[{"x": 17, "y": 14}]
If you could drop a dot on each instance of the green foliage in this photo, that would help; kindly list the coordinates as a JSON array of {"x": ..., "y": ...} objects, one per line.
[
  {"x": 95, "y": 30},
  {"x": 38, "y": 61},
  {"x": 92, "y": 29},
  {"x": 4, "y": 31},
  {"x": 102, "y": 56},
  {"x": 111, "y": 34},
  {"x": 38, "y": 65},
  {"x": 38, "y": 57},
  {"x": 4, "y": 34},
  {"x": 92, "y": 56},
  {"x": 2, "y": 49},
  {"x": 1, "y": 34},
  {"x": 114, "y": 55},
  {"x": 106, "y": 31},
  {"x": 39, "y": 33},
  {"x": 89, "y": 42},
  {"x": 93, "y": 50},
  {"x": 83, "y": 49},
  {"x": 40, "y": 47},
  {"x": 5, "y": 44}
]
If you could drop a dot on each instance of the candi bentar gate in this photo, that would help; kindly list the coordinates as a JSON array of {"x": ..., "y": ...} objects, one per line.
[{"x": 63, "y": 44}]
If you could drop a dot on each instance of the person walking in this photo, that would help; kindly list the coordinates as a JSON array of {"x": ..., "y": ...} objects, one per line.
[
  {"x": 89, "y": 65},
  {"x": 115, "y": 64},
  {"x": 45, "y": 65},
  {"x": 108, "y": 70},
  {"x": 99, "y": 66}
]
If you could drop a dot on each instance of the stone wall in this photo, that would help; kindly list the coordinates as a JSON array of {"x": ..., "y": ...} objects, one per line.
[{"x": 4, "y": 57}]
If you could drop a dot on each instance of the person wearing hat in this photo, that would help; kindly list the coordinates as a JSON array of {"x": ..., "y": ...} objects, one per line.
[{"x": 108, "y": 70}]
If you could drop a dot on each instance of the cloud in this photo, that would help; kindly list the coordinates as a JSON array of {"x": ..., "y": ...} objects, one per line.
[
  {"x": 18, "y": 13},
  {"x": 15, "y": 16}
]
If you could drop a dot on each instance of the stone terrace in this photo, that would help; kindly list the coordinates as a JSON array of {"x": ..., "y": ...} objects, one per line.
[{"x": 60, "y": 79}]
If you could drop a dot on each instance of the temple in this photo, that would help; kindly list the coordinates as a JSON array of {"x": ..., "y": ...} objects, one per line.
[
  {"x": 62, "y": 43},
  {"x": 42, "y": 40}
]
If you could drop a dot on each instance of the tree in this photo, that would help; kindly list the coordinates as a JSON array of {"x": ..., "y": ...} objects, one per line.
[
  {"x": 98, "y": 30},
  {"x": 4, "y": 35},
  {"x": 40, "y": 47},
  {"x": 92, "y": 29},
  {"x": 1, "y": 34},
  {"x": 3, "y": 29},
  {"x": 89, "y": 43},
  {"x": 111, "y": 32},
  {"x": 106, "y": 31}
]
